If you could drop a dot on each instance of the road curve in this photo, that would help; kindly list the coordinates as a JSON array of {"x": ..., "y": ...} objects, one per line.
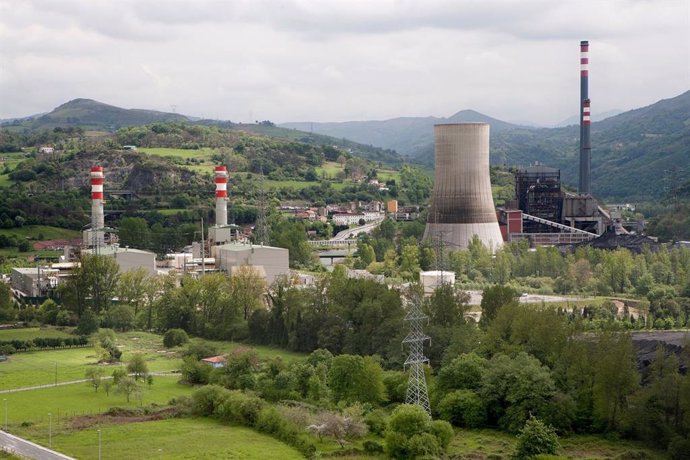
[{"x": 27, "y": 449}]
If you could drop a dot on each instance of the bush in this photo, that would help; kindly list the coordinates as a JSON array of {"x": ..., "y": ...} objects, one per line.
[
  {"x": 376, "y": 421},
  {"x": 679, "y": 448},
  {"x": 443, "y": 432},
  {"x": 536, "y": 438},
  {"x": 463, "y": 408},
  {"x": 372, "y": 447},
  {"x": 194, "y": 371},
  {"x": 206, "y": 399},
  {"x": 175, "y": 338},
  {"x": 238, "y": 407}
]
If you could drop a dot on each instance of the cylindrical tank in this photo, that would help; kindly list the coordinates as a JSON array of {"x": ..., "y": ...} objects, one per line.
[{"x": 462, "y": 204}]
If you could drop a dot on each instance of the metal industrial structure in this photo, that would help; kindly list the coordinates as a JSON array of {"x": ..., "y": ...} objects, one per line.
[
  {"x": 542, "y": 212},
  {"x": 417, "y": 392},
  {"x": 462, "y": 204}
]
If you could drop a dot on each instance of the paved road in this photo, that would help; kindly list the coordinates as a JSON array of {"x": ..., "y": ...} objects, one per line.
[
  {"x": 27, "y": 449},
  {"x": 366, "y": 228}
]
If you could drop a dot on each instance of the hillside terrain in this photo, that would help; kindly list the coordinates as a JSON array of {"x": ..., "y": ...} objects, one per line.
[{"x": 632, "y": 152}]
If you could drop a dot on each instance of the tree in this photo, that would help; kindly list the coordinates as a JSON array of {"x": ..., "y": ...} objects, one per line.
[
  {"x": 95, "y": 376},
  {"x": 134, "y": 231},
  {"x": 120, "y": 317},
  {"x": 536, "y": 438},
  {"x": 615, "y": 378},
  {"x": 128, "y": 386},
  {"x": 412, "y": 434},
  {"x": 132, "y": 288},
  {"x": 92, "y": 284},
  {"x": 174, "y": 338},
  {"x": 463, "y": 408},
  {"x": 137, "y": 366},
  {"x": 493, "y": 299},
  {"x": 354, "y": 378}
]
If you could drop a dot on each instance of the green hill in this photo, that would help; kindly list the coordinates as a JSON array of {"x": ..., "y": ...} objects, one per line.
[
  {"x": 632, "y": 153},
  {"x": 94, "y": 115}
]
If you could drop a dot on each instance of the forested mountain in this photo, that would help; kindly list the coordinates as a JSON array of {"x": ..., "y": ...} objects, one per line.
[
  {"x": 90, "y": 114},
  {"x": 407, "y": 135},
  {"x": 632, "y": 152}
]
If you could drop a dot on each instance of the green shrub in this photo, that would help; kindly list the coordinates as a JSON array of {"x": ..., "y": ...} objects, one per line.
[
  {"x": 372, "y": 447},
  {"x": 536, "y": 438},
  {"x": 206, "y": 399},
  {"x": 443, "y": 432},
  {"x": 194, "y": 371},
  {"x": 463, "y": 408},
  {"x": 174, "y": 338},
  {"x": 376, "y": 421}
]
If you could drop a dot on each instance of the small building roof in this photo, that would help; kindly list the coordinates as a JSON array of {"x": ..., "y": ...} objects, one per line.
[
  {"x": 245, "y": 247},
  {"x": 215, "y": 359},
  {"x": 112, "y": 250}
]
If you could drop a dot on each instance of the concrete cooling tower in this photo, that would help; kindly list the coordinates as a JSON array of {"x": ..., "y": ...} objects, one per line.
[{"x": 462, "y": 205}]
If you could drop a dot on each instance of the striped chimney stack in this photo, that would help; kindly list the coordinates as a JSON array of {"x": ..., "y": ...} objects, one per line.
[
  {"x": 221, "y": 196},
  {"x": 585, "y": 185},
  {"x": 97, "y": 220}
]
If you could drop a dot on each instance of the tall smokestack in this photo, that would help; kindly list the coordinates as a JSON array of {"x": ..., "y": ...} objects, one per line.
[
  {"x": 97, "y": 221},
  {"x": 585, "y": 185},
  {"x": 462, "y": 204},
  {"x": 221, "y": 196}
]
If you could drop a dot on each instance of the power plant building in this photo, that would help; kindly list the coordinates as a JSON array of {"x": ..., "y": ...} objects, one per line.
[
  {"x": 462, "y": 204},
  {"x": 267, "y": 261}
]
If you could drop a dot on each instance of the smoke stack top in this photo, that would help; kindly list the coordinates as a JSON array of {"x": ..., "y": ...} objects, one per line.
[
  {"x": 97, "y": 179},
  {"x": 584, "y": 58},
  {"x": 221, "y": 180}
]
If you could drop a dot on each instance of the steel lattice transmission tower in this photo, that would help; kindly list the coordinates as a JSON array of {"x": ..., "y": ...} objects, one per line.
[{"x": 416, "y": 385}]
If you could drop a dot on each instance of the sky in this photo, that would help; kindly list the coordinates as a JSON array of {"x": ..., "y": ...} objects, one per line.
[{"x": 340, "y": 60}]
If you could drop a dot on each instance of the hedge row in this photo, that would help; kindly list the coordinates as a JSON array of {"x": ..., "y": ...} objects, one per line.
[
  {"x": 42, "y": 343},
  {"x": 234, "y": 406}
]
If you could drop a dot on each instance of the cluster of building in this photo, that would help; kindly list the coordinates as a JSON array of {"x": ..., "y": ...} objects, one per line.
[{"x": 227, "y": 249}]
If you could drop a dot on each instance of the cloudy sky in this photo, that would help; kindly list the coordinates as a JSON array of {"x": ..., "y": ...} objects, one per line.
[{"x": 336, "y": 60}]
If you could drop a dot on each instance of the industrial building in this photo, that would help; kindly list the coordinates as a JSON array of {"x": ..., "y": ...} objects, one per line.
[
  {"x": 127, "y": 259},
  {"x": 462, "y": 204},
  {"x": 269, "y": 262},
  {"x": 542, "y": 212}
]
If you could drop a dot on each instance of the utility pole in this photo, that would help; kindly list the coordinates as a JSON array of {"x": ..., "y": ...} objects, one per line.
[{"x": 203, "y": 251}]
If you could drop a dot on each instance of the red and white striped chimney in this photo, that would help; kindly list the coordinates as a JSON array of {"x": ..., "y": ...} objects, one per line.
[
  {"x": 97, "y": 220},
  {"x": 221, "y": 195},
  {"x": 585, "y": 183}
]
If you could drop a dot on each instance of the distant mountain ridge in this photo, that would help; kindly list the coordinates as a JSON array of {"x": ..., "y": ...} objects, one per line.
[
  {"x": 632, "y": 152},
  {"x": 406, "y": 135},
  {"x": 91, "y": 114}
]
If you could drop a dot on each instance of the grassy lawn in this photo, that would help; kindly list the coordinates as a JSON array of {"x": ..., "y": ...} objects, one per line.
[
  {"x": 39, "y": 367},
  {"x": 79, "y": 399},
  {"x": 199, "y": 154},
  {"x": 263, "y": 351},
  {"x": 49, "y": 233},
  {"x": 32, "y": 333},
  {"x": 173, "y": 439},
  {"x": 481, "y": 444}
]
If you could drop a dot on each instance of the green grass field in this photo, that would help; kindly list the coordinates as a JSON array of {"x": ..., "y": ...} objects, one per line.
[
  {"x": 32, "y": 333},
  {"x": 172, "y": 439},
  {"x": 80, "y": 399},
  {"x": 40, "y": 367},
  {"x": 198, "y": 154},
  {"x": 486, "y": 443},
  {"x": 48, "y": 233}
]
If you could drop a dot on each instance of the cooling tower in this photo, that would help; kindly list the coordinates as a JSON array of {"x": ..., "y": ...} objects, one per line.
[{"x": 462, "y": 205}]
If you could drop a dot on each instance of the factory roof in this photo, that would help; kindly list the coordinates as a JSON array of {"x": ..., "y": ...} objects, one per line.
[
  {"x": 113, "y": 250},
  {"x": 539, "y": 169},
  {"x": 244, "y": 247}
]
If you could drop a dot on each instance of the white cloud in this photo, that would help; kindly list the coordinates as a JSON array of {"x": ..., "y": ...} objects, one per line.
[{"x": 327, "y": 60}]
